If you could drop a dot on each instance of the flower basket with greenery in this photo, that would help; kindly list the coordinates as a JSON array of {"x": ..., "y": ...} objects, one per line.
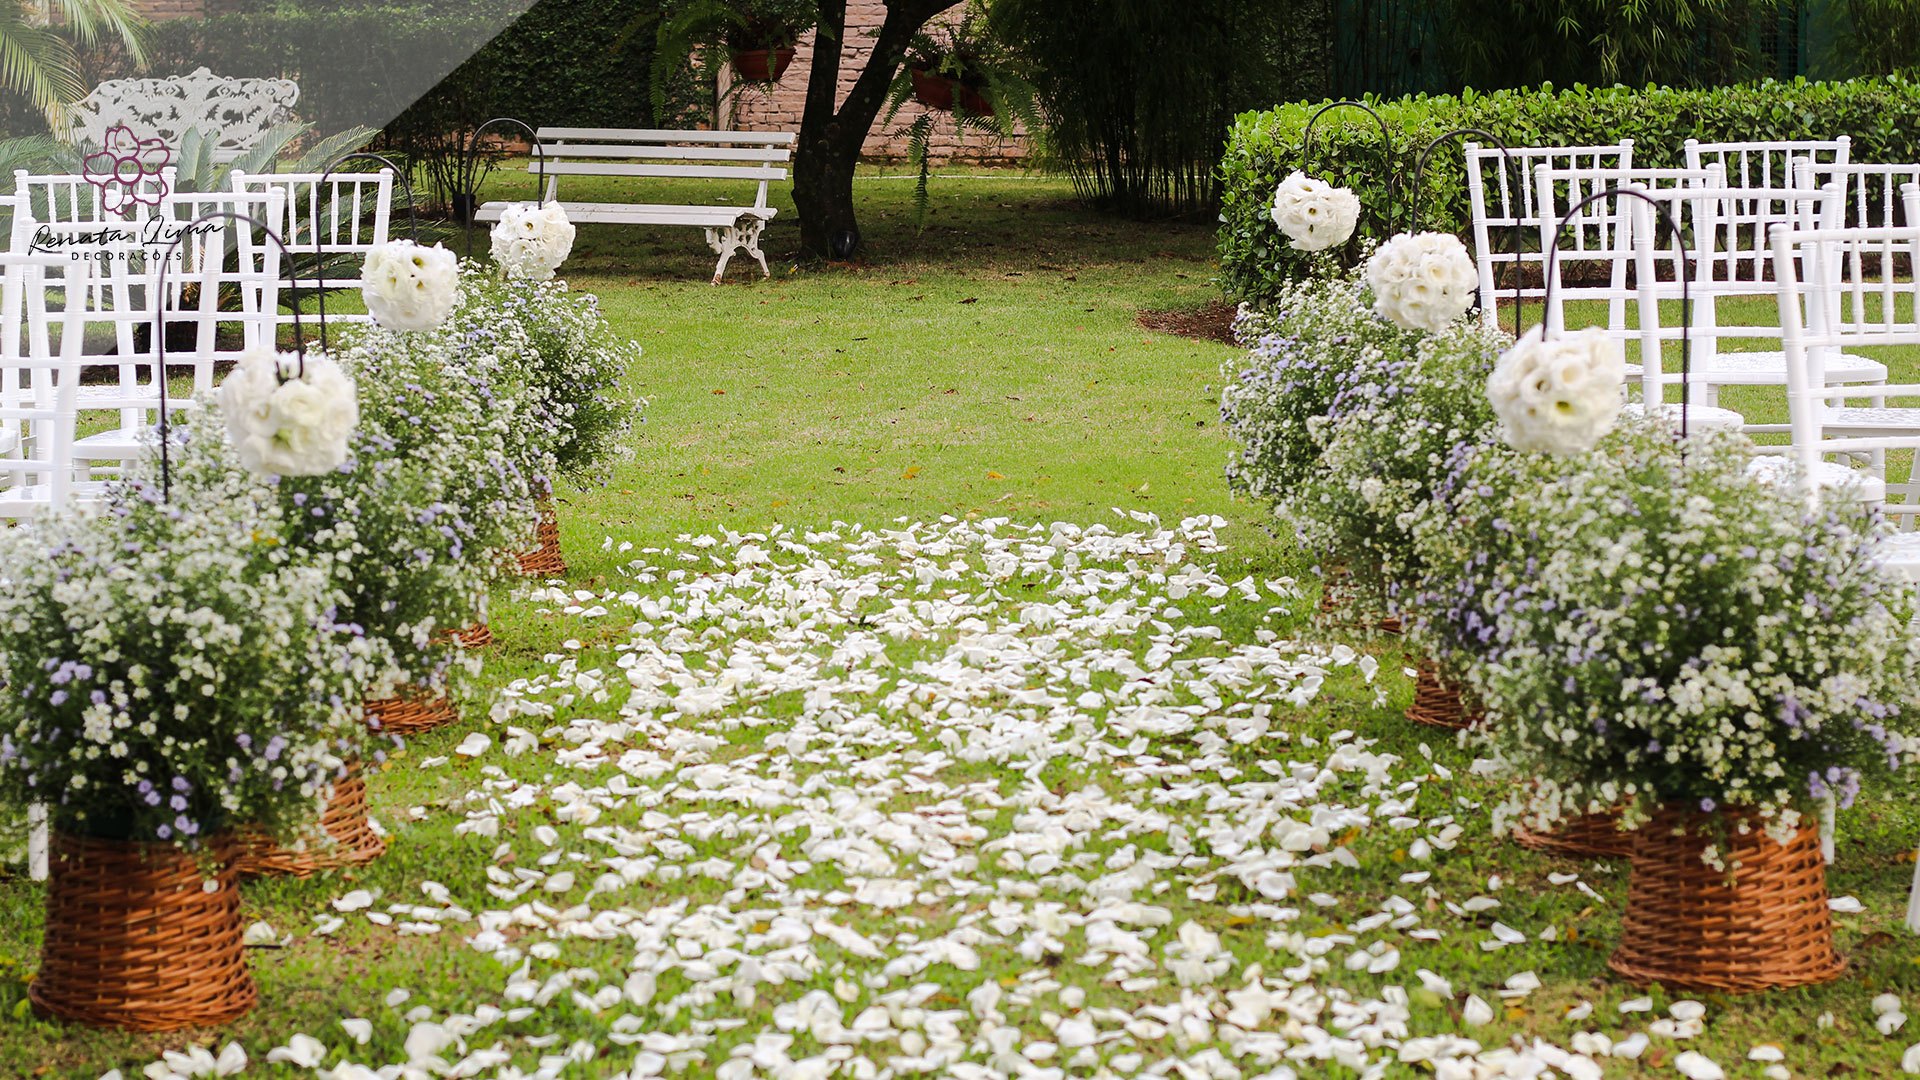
[
  {"x": 1698, "y": 651},
  {"x": 576, "y": 369},
  {"x": 172, "y": 675}
]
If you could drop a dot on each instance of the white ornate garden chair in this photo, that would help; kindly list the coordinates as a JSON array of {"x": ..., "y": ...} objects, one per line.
[
  {"x": 71, "y": 198},
  {"x": 340, "y": 217},
  {"x": 1503, "y": 203},
  {"x": 234, "y": 112}
]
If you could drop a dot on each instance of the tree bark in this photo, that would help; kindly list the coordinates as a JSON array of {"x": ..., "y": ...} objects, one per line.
[{"x": 832, "y": 132}]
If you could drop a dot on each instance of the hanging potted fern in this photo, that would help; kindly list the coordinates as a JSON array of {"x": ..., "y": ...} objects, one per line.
[
  {"x": 756, "y": 36},
  {"x": 959, "y": 69}
]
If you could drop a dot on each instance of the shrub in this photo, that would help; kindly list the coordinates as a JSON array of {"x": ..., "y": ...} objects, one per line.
[{"x": 1881, "y": 114}]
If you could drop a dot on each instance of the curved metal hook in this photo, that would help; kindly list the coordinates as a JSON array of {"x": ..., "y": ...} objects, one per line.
[
  {"x": 473, "y": 151},
  {"x": 1386, "y": 145},
  {"x": 1420, "y": 189},
  {"x": 1686, "y": 275},
  {"x": 413, "y": 217},
  {"x": 160, "y": 321}
]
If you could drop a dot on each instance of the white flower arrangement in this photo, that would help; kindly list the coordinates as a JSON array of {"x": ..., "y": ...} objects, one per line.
[
  {"x": 1422, "y": 281},
  {"x": 288, "y": 416},
  {"x": 407, "y": 286},
  {"x": 1313, "y": 214},
  {"x": 1559, "y": 396},
  {"x": 1318, "y": 356},
  {"x": 531, "y": 241},
  {"x": 1385, "y": 459},
  {"x": 575, "y": 369},
  {"x": 173, "y": 673},
  {"x": 1662, "y": 630}
]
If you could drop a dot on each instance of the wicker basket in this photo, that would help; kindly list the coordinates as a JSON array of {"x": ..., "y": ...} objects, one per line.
[
  {"x": 1761, "y": 925},
  {"x": 477, "y": 636},
  {"x": 1335, "y": 598},
  {"x": 1589, "y": 836},
  {"x": 411, "y": 712},
  {"x": 135, "y": 940},
  {"x": 344, "y": 821},
  {"x": 545, "y": 561},
  {"x": 1437, "y": 702}
]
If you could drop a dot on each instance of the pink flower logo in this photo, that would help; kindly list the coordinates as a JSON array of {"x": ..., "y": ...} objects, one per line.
[{"x": 126, "y": 170}]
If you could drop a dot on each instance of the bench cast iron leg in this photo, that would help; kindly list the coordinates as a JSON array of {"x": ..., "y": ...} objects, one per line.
[{"x": 742, "y": 235}]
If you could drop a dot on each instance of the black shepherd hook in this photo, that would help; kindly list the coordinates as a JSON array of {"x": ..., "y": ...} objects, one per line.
[
  {"x": 1686, "y": 299},
  {"x": 473, "y": 152},
  {"x": 413, "y": 217},
  {"x": 1420, "y": 189},
  {"x": 160, "y": 321},
  {"x": 1386, "y": 145}
]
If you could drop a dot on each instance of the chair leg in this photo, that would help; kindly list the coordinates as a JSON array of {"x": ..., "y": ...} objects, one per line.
[{"x": 37, "y": 842}]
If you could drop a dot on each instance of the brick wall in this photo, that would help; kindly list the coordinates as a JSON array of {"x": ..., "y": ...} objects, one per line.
[{"x": 779, "y": 108}]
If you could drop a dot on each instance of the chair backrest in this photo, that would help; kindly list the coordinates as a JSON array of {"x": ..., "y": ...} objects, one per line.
[
  {"x": 74, "y": 198},
  {"x": 1822, "y": 312},
  {"x": 1766, "y": 163},
  {"x": 39, "y": 381},
  {"x": 223, "y": 280},
  {"x": 1500, "y": 191},
  {"x": 758, "y": 156},
  {"x": 1596, "y": 241}
]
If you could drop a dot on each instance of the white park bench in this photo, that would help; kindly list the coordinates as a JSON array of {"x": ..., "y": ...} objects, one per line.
[
  {"x": 235, "y": 113},
  {"x": 758, "y": 156}
]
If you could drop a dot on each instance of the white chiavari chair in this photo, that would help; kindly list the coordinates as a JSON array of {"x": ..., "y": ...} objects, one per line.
[
  {"x": 339, "y": 217},
  {"x": 1505, "y": 210}
]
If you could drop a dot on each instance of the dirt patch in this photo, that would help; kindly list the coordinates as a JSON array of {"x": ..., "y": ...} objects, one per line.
[{"x": 1213, "y": 322}]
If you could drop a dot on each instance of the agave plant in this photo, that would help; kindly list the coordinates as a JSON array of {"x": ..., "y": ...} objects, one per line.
[{"x": 38, "y": 60}]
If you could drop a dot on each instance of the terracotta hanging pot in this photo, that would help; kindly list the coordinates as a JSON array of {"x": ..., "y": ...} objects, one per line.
[
  {"x": 933, "y": 91},
  {"x": 761, "y": 65}
]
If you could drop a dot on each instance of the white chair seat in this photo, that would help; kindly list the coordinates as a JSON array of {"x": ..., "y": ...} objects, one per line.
[
  {"x": 1777, "y": 469},
  {"x": 1770, "y": 369},
  {"x": 1699, "y": 417},
  {"x": 32, "y": 500},
  {"x": 116, "y": 445},
  {"x": 9, "y": 440},
  {"x": 1900, "y": 552},
  {"x": 1869, "y": 420}
]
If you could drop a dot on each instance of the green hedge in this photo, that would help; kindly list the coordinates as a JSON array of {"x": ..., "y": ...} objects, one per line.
[{"x": 1882, "y": 115}]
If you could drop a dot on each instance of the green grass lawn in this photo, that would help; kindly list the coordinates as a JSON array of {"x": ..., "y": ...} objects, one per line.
[{"x": 988, "y": 366}]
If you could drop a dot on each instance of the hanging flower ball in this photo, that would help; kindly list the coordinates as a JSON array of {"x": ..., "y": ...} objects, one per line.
[
  {"x": 1560, "y": 396},
  {"x": 530, "y": 242},
  {"x": 286, "y": 422},
  {"x": 410, "y": 287},
  {"x": 1422, "y": 281},
  {"x": 1314, "y": 214}
]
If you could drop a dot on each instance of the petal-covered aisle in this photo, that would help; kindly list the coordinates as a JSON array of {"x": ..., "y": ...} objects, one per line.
[{"x": 965, "y": 799}]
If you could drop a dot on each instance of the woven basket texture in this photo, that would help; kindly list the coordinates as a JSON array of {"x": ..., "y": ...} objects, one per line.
[
  {"x": 135, "y": 939},
  {"x": 350, "y": 841},
  {"x": 545, "y": 561},
  {"x": 1589, "y": 836},
  {"x": 411, "y": 712},
  {"x": 1762, "y": 924},
  {"x": 1437, "y": 702}
]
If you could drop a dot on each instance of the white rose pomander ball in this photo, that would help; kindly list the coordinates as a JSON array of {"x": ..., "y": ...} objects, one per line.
[
  {"x": 284, "y": 422},
  {"x": 531, "y": 242},
  {"x": 1314, "y": 214},
  {"x": 410, "y": 287},
  {"x": 1422, "y": 281},
  {"x": 1559, "y": 396}
]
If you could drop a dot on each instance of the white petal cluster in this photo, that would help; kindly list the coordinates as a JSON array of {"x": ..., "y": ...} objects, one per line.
[
  {"x": 408, "y": 286},
  {"x": 530, "y": 241},
  {"x": 1314, "y": 214},
  {"x": 289, "y": 416},
  {"x": 1422, "y": 281},
  {"x": 1559, "y": 396}
]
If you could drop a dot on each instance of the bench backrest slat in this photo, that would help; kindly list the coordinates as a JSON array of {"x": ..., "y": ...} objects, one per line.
[
  {"x": 698, "y": 172},
  {"x": 764, "y": 154},
  {"x": 656, "y": 135}
]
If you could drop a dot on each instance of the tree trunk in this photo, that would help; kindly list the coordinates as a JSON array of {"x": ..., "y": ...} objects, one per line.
[{"x": 830, "y": 137}]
